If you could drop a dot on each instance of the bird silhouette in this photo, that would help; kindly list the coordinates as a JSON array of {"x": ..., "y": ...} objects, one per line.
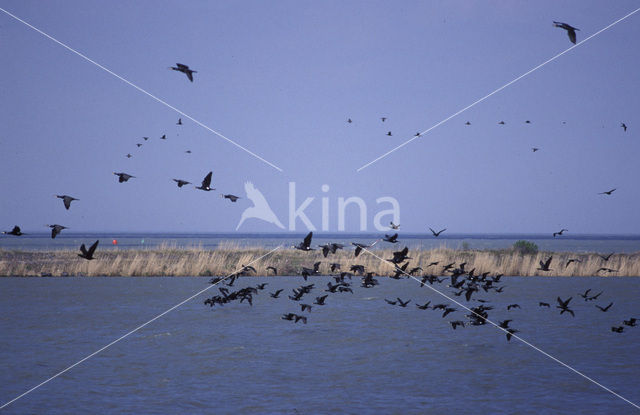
[
  {"x": 389, "y": 133},
  {"x": 184, "y": 69},
  {"x": 55, "y": 230},
  {"x": 305, "y": 245},
  {"x": 274, "y": 269},
  {"x": 232, "y": 198},
  {"x": 467, "y": 123},
  {"x": 15, "y": 231},
  {"x": 436, "y": 234},
  {"x": 179, "y": 121},
  {"x": 618, "y": 329},
  {"x": 571, "y": 31},
  {"x": 607, "y": 192},
  {"x": 349, "y": 121},
  {"x": 394, "y": 226},
  {"x": 564, "y": 306},
  {"x": 534, "y": 149},
  {"x": 123, "y": 177},
  {"x": 606, "y": 257},
  {"x": 206, "y": 183},
  {"x": 624, "y": 126},
  {"x": 88, "y": 254},
  {"x": 181, "y": 182},
  {"x": 559, "y": 233},
  {"x": 383, "y": 119},
  {"x": 392, "y": 239},
  {"x": 544, "y": 266},
  {"x": 631, "y": 322},
  {"x": 604, "y": 309},
  {"x": 260, "y": 208},
  {"x": 501, "y": 123},
  {"x": 276, "y": 294}
]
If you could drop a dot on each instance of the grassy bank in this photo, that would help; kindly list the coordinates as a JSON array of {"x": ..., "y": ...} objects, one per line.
[{"x": 171, "y": 261}]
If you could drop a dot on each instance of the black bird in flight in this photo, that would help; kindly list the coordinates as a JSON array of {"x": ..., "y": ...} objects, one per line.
[
  {"x": 456, "y": 323},
  {"x": 510, "y": 306},
  {"x": 624, "y": 126},
  {"x": 389, "y": 133},
  {"x": 274, "y": 269},
  {"x": 541, "y": 304},
  {"x": 559, "y": 233},
  {"x": 15, "y": 231},
  {"x": 544, "y": 266},
  {"x": 320, "y": 300},
  {"x": 383, "y": 119},
  {"x": 393, "y": 238},
  {"x": 391, "y": 302},
  {"x": 123, "y": 177},
  {"x": 564, "y": 306},
  {"x": 501, "y": 123},
  {"x": 604, "y": 309},
  {"x": 586, "y": 294},
  {"x": 88, "y": 254},
  {"x": 394, "y": 226},
  {"x": 55, "y": 230},
  {"x": 606, "y": 257},
  {"x": 534, "y": 149},
  {"x": 232, "y": 198},
  {"x": 184, "y": 69},
  {"x": 164, "y": 137},
  {"x": 360, "y": 247},
  {"x": 570, "y": 261},
  {"x": 631, "y": 322},
  {"x": 349, "y": 121},
  {"x": 436, "y": 234},
  {"x": 618, "y": 329},
  {"x": 467, "y": 123},
  {"x": 402, "y": 303},
  {"x": 305, "y": 245},
  {"x": 608, "y": 192},
  {"x": 571, "y": 31},
  {"x": 206, "y": 183},
  {"x": 275, "y": 294},
  {"x": 128, "y": 155},
  {"x": 179, "y": 121},
  {"x": 181, "y": 182}
]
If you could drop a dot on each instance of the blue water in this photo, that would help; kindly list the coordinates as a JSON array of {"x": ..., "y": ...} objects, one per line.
[
  {"x": 567, "y": 243},
  {"x": 356, "y": 355}
]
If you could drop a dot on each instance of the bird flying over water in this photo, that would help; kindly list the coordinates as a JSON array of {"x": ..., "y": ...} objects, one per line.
[
  {"x": 544, "y": 266},
  {"x": 305, "y": 245},
  {"x": 88, "y": 254},
  {"x": 55, "y": 230},
  {"x": 184, "y": 69},
  {"x": 66, "y": 200},
  {"x": 560, "y": 232},
  {"x": 571, "y": 31},
  {"x": 392, "y": 239},
  {"x": 15, "y": 231},
  {"x": 206, "y": 183},
  {"x": 436, "y": 234},
  {"x": 123, "y": 177},
  {"x": 605, "y": 309}
]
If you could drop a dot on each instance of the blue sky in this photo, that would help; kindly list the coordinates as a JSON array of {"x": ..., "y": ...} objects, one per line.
[{"x": 281, "y": 78}]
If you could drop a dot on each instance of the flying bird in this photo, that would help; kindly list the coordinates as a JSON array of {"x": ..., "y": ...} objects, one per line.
[
  {"x": 206, "y": 183},
  {"x": 179, "y": 121},
  {"x": 624, "y": 126},
  {"x": 559, "y": 233},
  {"x": 276, "y": 294},
  {"x": 534, "y": 149},
  {"x": 607, "y": 192},
  {"x": 436, "y": 234},
  {"x": 349, "y": 121},
  {"x": 55, "y": 230},
  {"x": 501, "y": 123},
  {"x": 66, "y": 200},
  {"x": 360, "y": 247},
  {"x": 181, "y": 182},
  {"x": 123, "y": 177},
  {"x": 544, "y": 266},
  {"x": 392, "y": 239},
  {"x": 571, "y": 31},
  {"x": 389, "y": 133},
  {"x": 274, "y": 269},
  {"x": 232, "y": 198},
  {"x": 383, "y": 119},
  {"x": 184, "y": 69},
  {"x": 88, "y": 254},
  {"x": 15, "y": 231},
  {"x": 604, "y": 309},
  {"x": 305, "y": 245},
  {"x": 394, "y": 226}
]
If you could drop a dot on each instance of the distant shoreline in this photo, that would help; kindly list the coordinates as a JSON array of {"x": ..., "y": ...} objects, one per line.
[{"x": 223, "y": 261}]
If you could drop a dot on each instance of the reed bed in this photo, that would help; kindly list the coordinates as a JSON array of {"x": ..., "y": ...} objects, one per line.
[{"x": 168, "y": 260}]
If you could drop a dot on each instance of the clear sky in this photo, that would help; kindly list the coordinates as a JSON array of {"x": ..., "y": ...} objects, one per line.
[{"x": 281, "y": 78}]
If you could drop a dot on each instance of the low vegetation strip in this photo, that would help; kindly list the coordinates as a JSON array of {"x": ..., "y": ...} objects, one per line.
[{"x": 172, "y": 261}]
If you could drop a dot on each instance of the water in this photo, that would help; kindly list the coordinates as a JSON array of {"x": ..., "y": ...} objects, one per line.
[
  {"x": 356, "y": 355},
  {"x": 567, "y": 243}
]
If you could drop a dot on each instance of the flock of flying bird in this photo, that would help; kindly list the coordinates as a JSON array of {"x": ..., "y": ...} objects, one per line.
[{"x": 463, "y": 282}]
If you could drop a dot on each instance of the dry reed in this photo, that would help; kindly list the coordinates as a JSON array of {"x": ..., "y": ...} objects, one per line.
[{"x": 169, "y": 260}]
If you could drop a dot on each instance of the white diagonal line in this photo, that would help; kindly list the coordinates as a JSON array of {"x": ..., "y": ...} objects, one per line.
[
  {"x": 494, "y": 92},
  {"x": 143, "y": 91},
  {"x": 134, "y": 330},
  {"x": 512, "y": 334}
]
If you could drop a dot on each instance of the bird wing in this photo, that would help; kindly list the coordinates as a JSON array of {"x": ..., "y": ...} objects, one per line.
[
  {"x": 93, "y": 247},
  {"x": 67, "y": 202},
  {"x": 206, "y": 182},
  {"x": 572, "y": 35},
  {"x": 190, "y": 75},
  {"x": 83, "y": 249},
  {"x": 307, "y": 239}
]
